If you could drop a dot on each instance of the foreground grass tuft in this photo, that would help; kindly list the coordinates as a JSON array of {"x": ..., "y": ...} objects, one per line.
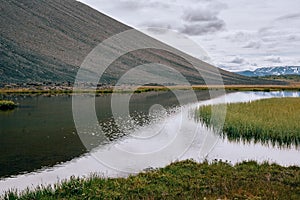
[
  {"x": 7, "y": 105},
  {"x": 183, "y": 180},
  {"x": 269, "y": 120}
]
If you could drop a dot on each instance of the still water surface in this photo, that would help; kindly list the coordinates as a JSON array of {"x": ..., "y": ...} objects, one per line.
[
  {"x": 40, "y": 145},
  {"x": 41, "y": 131}
]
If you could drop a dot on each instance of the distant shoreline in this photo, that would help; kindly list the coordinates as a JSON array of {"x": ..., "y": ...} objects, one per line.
[{"x": 130, "y": 89}]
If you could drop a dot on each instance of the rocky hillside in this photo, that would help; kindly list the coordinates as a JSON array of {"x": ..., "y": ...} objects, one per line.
[{"x": 46, "y": 41}]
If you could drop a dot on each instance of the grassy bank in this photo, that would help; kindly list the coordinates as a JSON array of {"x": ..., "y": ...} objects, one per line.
[
  {"x": 276, "y": 120},
  {"x": 266, "y": 88},
  {"x": 184, "y": 180},
  {"x": 7, "y": 105},
  {"x": 70, "y": 91}
]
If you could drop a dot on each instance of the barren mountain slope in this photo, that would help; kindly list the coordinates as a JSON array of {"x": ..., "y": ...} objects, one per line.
[{"x": 46, "y": 41}]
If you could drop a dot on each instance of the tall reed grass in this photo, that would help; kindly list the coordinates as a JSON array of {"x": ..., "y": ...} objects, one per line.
[{"x": 275, "y": 120}]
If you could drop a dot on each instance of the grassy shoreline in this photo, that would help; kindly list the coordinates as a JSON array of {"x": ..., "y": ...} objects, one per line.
[
  {"x": 273, "y": 120},
  {"x": 183, "y": 180},
  {"x": 292, "y": 87}
]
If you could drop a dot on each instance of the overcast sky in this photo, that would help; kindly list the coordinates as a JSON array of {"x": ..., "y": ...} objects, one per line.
[{"x": 236, "y": 34}]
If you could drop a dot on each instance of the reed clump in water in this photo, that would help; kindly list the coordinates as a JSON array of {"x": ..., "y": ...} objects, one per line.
[
  {"x": 7, "y": 105},
  {"x": 275, "y": 120}
]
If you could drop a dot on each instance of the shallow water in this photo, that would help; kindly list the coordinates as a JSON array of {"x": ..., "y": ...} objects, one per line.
[
  {"x": 41, "y": 132},
  {"x": 156, "y": 139}
]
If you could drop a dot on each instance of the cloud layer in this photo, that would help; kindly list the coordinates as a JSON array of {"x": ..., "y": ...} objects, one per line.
[{"x": 237, "y": 34}]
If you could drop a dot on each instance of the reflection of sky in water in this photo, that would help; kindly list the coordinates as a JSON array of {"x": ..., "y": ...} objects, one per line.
[
  {"x": 174, "y": 126},
  {"x": 250, "y": 96},
  {"x": 278, "y": 94}
]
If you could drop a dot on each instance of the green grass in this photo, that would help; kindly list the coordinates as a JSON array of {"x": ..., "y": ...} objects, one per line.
[
  {"x": 183, "y": 180},
  {"x": 7, "y": 105},
  {"x": 274, "y": 120}
]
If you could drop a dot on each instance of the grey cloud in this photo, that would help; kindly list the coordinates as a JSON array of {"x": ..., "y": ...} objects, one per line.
[
  {"x": 268, "y": 31},
  {"x": 135, "y": 5},
  {"x": 203, "y": 28},
  {"x": 230, "y": 67},
  {"x": 272, "y": 28},
  {"x": 129, "y": 5},
  {"x": 157, "y": 30},
  {"x": 273, "y": 59},
  {"x": 157, "y": 27},
  {"x": 204, "y": 19},
  {"x": 194, "y": 21},
  {"x": 199, "y": 15},
  {"x": 287, "y": 17},
  {"x": 237, "y": 60},
  {"x": 240, "y": 36},
  {"x": 293, "y": 38},
  {"x": 253, "y": 45},
  {"x": 265, "y": 29},
  {"x": 157, "y": 24}
]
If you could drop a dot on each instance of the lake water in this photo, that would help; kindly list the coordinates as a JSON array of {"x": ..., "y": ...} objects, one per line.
[{"x": 40, "y": 144}]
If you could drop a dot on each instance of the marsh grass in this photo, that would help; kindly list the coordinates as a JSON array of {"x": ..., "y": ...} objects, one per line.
[
  {"x": 7, "y": 105},
  {"x": 274, "y": 120},
  {"x": 265, "y": 88},
  {"x": 182, "y": 180}
]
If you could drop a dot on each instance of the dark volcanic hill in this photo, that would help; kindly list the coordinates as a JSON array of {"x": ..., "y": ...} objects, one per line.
[{"x": 46, "y": 41}]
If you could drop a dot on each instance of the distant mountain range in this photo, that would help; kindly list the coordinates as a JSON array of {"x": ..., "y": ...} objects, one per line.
[
  {"x": 267, "y": 71},
  {"x": 46, "y": 41}
]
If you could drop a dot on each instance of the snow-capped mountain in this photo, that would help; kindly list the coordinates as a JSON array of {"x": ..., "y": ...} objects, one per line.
[{"x": 265, "y": 71}]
